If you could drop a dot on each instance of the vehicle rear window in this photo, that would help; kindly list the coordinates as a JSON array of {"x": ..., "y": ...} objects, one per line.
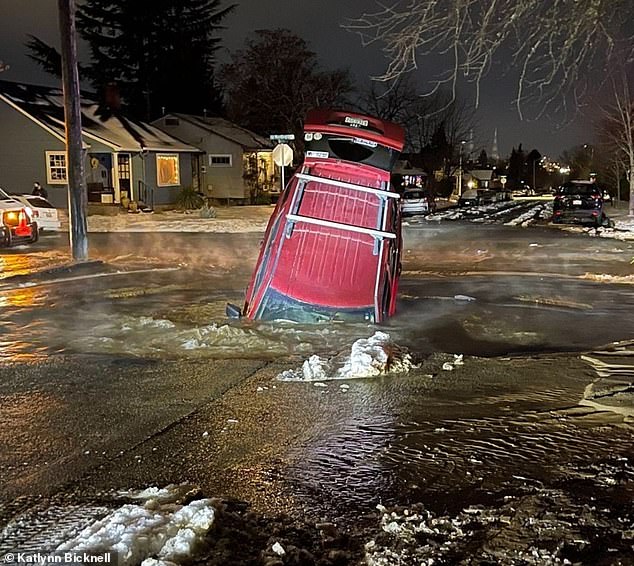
[
  {"x": 352, "y": 149},
  {"x": 39, "y": 202},
  {"x": 578, "y": 189},
  {"x": 413, "y": 195}
]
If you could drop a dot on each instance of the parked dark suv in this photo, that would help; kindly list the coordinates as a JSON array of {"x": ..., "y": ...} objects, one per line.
[{"x": 579, "y": 202}]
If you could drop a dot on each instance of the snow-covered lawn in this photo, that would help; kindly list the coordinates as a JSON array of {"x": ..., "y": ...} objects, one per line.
[{"x": 229, "y": 220}]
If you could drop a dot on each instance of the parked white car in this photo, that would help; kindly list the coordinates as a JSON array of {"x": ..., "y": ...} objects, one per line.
[
  {"x": 44, "y": 213},
  {"x": 417, "y": 201}
]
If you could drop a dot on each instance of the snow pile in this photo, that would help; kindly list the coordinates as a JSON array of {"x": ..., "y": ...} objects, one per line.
[
  {"x": 369, "y": 357},
  {"x": 526, "y": 218},
  {"x": 416, "y": 537},
  {"x": 607, "y": 278},
  {"x": 457, "y": 361},
  {"x": 152, "y": 534},
  {"x": 623, "y": 230}
]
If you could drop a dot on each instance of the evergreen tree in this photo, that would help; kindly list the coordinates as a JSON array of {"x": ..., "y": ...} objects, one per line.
[
  {"x": 516, "y": 167},
  {"x": 437, "y": 154},
  {"x": 159, "y": 54},
  {"x": 483, "y": 159},
  {"x": 45, "y": 56}
]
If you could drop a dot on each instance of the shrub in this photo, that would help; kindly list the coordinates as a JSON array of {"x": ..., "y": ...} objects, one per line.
[
  {"x": 189, "y": 199},
  {"x": 208, "y": 211}
]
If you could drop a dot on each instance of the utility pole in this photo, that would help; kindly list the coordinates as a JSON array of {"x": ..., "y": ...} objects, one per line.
[
  {"x": 460, "y": 170},
  {"x": 77, "y": 200},
  {"x": 618, "y": 183}
]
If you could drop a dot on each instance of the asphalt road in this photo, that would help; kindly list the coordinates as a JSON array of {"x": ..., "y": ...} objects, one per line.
[{"x": 135, "y": 379}]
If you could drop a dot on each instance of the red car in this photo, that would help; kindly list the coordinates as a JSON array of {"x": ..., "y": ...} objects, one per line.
[{"x": 333, "y": 244}]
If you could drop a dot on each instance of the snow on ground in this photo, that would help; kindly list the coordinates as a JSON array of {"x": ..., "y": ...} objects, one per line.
[
  {"x": 229, "y": 220},
  {"x": 152, "y": 533},
  {"x": 254, "y": 219},
  {"x": 623, "y": 229},
  {"x": 369, "y": 357},
  {"x": 523, "y": 213}
]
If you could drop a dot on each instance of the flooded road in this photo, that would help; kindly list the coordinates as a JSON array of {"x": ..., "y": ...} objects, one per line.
[
  {"x": 474, "y": 290},
  {"x": 506, "y": 438}
]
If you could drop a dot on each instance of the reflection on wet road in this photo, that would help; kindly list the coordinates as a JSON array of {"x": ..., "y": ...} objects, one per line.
[{"x": 472, "y": 427}]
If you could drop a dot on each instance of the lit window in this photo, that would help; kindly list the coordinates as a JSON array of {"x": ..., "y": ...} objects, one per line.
[
  {"x": 220, "y": 160},
  {"x": 56, "y": 172},
  {"x": 167, "y": 170}
]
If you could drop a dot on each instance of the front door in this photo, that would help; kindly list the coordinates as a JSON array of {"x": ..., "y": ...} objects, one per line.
[{"x": 124, "y": 176}]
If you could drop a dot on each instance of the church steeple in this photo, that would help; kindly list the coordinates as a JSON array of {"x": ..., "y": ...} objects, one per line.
[{"x": 495, "y": 155}]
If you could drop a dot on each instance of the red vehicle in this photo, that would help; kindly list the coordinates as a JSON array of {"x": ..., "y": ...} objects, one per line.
[{"x": 333, "y": 244}]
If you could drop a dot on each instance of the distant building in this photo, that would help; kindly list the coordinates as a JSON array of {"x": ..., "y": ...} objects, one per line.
[
  {"x": 123, "y": 157},
  {"x": 410, "y": 176},
  {"x": 481, "y": 178},
  {"x": 237, "y": 162}
]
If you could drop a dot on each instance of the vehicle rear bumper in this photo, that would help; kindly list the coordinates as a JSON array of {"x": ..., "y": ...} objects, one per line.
[
  {"x": 577, "y": 216},
  {"x": 18, "y": 238}
]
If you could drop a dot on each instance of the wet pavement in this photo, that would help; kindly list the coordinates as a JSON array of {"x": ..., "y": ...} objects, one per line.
[{"x": 521, "y": 454}]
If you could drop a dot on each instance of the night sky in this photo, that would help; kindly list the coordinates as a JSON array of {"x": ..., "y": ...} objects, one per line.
[{"x": 319, "y": 23}]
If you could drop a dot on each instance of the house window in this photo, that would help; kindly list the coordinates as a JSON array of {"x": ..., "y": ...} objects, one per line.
[
  {"x": 56, "y": 172},
  {"x": 220, "y": 160},
  {"x": 167, "y": 170}
]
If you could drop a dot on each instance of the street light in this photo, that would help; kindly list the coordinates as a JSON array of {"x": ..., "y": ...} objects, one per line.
[
  {"x": 587, "y": 147},
  {"x": 565, "y": 170}
]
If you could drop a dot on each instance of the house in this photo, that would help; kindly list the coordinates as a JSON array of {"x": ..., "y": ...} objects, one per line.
[
  {"x": 123, "y": 157},
  {"x": 481, "y": 178},
  {"x": 412, "y": 177},
  {"x": 238, "y": 163}
]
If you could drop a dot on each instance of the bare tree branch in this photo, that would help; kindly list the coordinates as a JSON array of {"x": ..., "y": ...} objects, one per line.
[
  {"x": 554, "y": 48},
  {"x": 617, "y": 128}
]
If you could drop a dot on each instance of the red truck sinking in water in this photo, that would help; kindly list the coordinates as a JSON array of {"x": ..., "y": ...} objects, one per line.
[{"x": 332, "y": 247}]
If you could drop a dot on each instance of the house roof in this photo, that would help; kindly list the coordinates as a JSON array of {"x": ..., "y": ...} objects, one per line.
[
  {"x": 404, "y": 167},
  {"x": 482, "y": 174},
  {"x": 228, "y": 130},
  {"x": 45, "y": 106}
]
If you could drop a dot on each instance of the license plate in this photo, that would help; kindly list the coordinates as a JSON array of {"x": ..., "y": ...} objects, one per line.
[{"x": 577, "y": 202}]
